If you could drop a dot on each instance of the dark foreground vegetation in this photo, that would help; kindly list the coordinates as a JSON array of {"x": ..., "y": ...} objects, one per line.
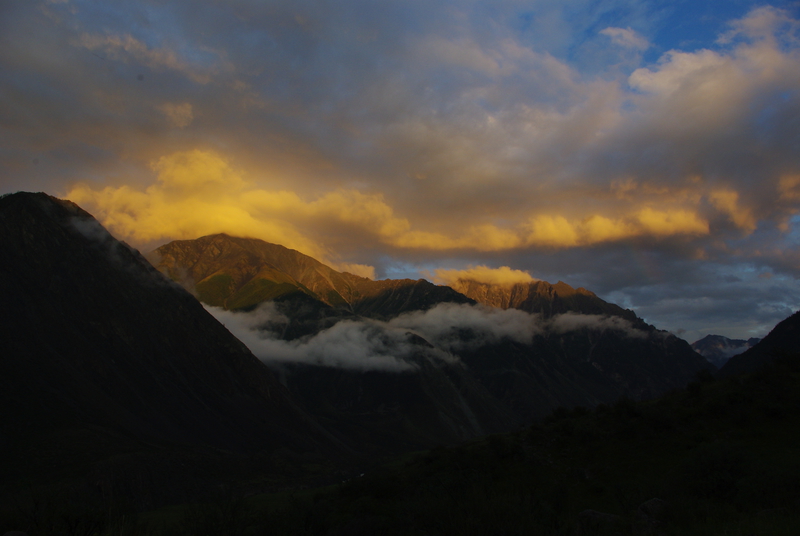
[{"x": 721, "y": 457}]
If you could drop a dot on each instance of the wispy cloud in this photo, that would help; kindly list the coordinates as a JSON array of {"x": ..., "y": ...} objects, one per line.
[
  {"x": 390, "y": 346},
  {"x": 626, "y": 37}
]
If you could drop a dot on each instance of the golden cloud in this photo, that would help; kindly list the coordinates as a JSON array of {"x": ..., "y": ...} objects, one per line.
[
  {"x": 727, "y": 202},
  {"x": 553, "y": 231},
  {"x": 670, "y": 222},
  {"x": 557, "y": 231},
  {"x": 198, "y": 193},
  {"x": 483, "y": 274},
  {"x": 789, "y": 188}
]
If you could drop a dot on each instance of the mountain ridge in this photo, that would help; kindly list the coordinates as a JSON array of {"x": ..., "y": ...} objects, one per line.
[
  {"x": 540, "y": 297},
  {"x": 239, "y": 273}
]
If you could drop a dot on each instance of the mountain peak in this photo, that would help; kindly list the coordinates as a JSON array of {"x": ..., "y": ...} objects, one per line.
[
  {"x": 240, "y": 273},
  {"x": 565, "y": 290}
]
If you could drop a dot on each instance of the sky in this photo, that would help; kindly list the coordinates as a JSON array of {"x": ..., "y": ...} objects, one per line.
[{"x": 648, "y": 151}]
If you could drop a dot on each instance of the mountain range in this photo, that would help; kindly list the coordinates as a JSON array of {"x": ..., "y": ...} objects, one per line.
[{"x": 571, "y": 348}]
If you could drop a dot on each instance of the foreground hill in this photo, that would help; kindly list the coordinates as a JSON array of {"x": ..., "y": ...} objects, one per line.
[{"x": 103, "y": 356}]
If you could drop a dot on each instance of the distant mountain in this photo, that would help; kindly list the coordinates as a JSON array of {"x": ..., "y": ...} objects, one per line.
[
  {"x": 103, "y": 357},
  {"x": 541, "y": 297},
  {"x": 783, "y": 340},
  {"x": 239, "y": 273},
  {"x": 635, "y": 358},
  {"x": 718, "y": 349}
]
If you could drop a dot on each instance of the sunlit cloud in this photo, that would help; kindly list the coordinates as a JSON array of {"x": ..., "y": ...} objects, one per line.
[
  {"x": 728, "y": 202},
  {"x": 483, "y": 274},
  {"x": 789, "y": 188},
  {"x": 198, "y": 193},
  {"x": 557, "y": 231}
]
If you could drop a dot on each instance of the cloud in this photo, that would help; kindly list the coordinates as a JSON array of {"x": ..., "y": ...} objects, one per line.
[
  {"x": 374, "y": 345},
  {"x": 572, "y": 321},
  {"x": 557, "y": 231},
  {"x": 483, "y": 274},
  {"x": 456, "y": 327},
  {"x": 198, "y": 193},
  {"x": 761, "y": 24},
  {"x": 728, "y": 202},
  {"x": 390, "y": 346},
  {"x": 625, "y": 37},
  {"x": 179, "y": 114},
  {"x": 359, "y": 345},
  {"x": 127, "y": 48}
]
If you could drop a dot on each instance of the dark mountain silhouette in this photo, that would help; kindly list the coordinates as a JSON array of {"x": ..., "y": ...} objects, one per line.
[
  {"x": 718, "y": 349},
  {"x": 782, "y": 340},
  {"x": 103, "y": 354}
]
